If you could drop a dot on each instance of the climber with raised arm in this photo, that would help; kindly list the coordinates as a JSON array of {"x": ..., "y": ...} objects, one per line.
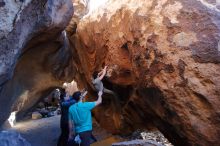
[
  {"x": 97, "y": 82},
  {"x": 115, "y": 102}
]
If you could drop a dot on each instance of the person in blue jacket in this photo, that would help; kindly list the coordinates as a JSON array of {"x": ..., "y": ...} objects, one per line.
[
  {"x": 80, "y": 119},
  {"x": 65, "y": 102}
]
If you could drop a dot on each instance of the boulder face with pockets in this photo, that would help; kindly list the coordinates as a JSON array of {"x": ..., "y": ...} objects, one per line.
[{"x": 163, "y": 60}]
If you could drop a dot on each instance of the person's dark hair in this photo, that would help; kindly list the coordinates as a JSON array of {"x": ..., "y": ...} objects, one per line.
[
  {"x": 95, "y": 74},
  {"x": 76, "y": 95},
  {"x": 62, "y": 94}
]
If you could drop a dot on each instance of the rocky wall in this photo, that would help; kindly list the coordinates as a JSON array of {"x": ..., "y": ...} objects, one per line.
[{"x": 163, "y": 63}]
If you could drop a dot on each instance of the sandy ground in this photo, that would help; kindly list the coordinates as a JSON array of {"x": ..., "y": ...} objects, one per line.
[
  {"x": 42, "y": 132},
  {"x": 46, "y": 131}
]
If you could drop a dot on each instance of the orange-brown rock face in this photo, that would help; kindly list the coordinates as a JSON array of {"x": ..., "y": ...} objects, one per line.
[{"x": 163, "y": 58}]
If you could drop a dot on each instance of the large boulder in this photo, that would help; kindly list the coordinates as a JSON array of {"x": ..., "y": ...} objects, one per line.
[
  {"x": 163, "y": 62},
  {"x": 36, "y": 115},
  {"x": 31, "y": 49}
]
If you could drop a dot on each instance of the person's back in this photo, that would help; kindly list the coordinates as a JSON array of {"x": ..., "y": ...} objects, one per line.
[
  {"x": 80, "y": 113},
  {"x": 97, "y": 84}
]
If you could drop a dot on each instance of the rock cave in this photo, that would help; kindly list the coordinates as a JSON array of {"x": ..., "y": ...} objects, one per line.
[{"x": 163, "y": 59}]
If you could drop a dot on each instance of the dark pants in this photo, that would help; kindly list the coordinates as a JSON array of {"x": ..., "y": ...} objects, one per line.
[
  {"x": 86, "y": 139},
  {"x": 63, "y": 139}
]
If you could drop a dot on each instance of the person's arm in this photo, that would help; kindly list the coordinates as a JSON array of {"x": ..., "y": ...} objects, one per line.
[
  {"x": 70, "y": 123},
  {"x": 91, "y": 105},
  {"x": 99, "y": 100},
  {"x": 70, "y": 130},
  {"x": 99, "y": 74},
  {"x": 103, "y": 73}
]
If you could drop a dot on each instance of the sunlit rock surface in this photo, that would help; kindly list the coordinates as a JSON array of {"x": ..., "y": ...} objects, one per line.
[
  {"x": 163, "y": 59},
  {"x": 81, "y": 8}
]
